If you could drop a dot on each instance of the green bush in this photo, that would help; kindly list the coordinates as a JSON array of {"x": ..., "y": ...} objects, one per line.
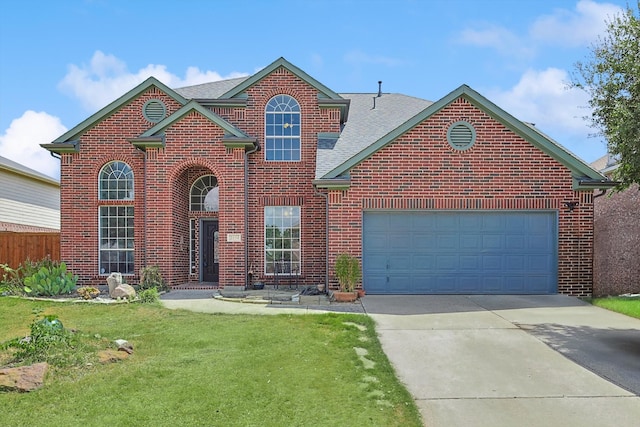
[
  {"x": 150, "y": 277},
  {"x": 149, "y": 296},
  {"x": 12, "y": 282},
  {"x": 50, "y": 280},
  {"x": 49, "y": 341}
]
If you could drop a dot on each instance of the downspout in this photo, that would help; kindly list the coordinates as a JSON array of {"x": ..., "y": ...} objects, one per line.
[
  {"x": 246, "y": 212},
  {"x": 144, "y": 204},
  {"x": 326, "y": 236},
  {"x": 602, "y": 193}
]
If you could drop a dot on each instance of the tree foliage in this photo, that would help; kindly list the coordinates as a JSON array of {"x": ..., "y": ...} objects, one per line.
[{"x": 611, "y": 77}]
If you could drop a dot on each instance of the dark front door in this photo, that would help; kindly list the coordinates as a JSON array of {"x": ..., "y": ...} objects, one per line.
[{"x": 209, "y": 251}]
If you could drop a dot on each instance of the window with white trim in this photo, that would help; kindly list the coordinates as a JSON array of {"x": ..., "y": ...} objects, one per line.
[
  {"x": 282, "y": 239},
  {"x": 205, "y": 195},
  {"x": 115, "y": 221},
  {"x": 282, "y": 129}
]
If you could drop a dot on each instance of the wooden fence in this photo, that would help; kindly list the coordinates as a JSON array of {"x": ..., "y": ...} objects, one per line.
[{"x": 15, "y": 248}]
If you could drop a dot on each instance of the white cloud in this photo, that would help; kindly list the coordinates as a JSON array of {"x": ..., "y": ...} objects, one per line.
[
  {"x": 498, "y": 38},
  {"x": 574, "y": 28},
  {"x": 21, "y": 142},
  {"x": 543, "y": 98},
  {"x": 106, "y": 77}
]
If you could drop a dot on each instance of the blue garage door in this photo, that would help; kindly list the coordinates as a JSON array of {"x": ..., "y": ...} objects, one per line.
[{"x": 460, "y": 252}]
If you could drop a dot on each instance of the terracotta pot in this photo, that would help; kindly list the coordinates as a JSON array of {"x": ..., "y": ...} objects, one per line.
[
  {"x": 345, "y": 296},
  {"x": 361, "y": 293}
]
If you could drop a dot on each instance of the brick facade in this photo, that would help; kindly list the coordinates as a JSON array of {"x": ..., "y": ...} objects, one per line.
[
  {"x": 420, "y": 170},
  {"x": 417, "y": 170}
]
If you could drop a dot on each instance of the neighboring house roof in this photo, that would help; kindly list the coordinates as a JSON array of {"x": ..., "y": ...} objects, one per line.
[
  {"x": 606, "y": 164},
  {"x": 19, "y": 169},
  {"x": 29, "y": 200}
]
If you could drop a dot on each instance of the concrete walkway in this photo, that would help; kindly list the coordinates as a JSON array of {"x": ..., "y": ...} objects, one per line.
[
  {"x": 489, "y": 361},
  {"x": 493, "y": 361}
]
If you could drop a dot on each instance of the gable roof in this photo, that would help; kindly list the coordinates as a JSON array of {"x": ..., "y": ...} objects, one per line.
[
  {"x": 188, "y": 108},
  {"x": 70, "y": 137},
  {"x": 236, "y": 91},
  {"x": 581, "y": 171},
  {"x": 154, "y": 136}
]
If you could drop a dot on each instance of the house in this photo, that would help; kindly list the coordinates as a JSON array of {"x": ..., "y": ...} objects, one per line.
[
  {"x": 616, "y": 230},
  {"x": 29, "y": 214},
  {"x": 242, "y": 180}
]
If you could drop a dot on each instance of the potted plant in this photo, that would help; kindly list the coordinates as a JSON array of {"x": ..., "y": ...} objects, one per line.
[{"x": 348, "y": 272}]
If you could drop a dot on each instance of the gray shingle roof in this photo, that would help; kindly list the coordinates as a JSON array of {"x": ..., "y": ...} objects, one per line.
[
  {"x": 366, "y": 125},
  {"x": 210, "y": 90}
]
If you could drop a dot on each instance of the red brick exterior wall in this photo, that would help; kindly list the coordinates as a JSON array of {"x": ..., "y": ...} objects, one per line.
[
  {"x": 420, "y": 170},
  {"x": 417, "y": 171},
  {"x": 163, "y": 179}
]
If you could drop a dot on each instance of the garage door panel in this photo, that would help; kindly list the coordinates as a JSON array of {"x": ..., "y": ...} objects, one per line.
[
  {"x": 460, "y": 252},
  {"x": 423, "y": 262}
]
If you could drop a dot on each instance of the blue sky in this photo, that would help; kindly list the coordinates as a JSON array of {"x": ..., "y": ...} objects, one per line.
[{"x": 62, "y": 61}]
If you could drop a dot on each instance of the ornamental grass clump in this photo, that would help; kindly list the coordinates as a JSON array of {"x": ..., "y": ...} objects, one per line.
[{"x": 348, "y": 272}]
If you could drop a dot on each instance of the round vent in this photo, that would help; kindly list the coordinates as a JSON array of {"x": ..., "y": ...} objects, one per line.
[
  {"x": 461, "y": 135},
  {"x": 154, "y": 110}
]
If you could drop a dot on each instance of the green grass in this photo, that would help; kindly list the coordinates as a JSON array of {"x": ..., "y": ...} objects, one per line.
[
  {"x": 194, "y": 369},
  {"x": 628, "y": 306}
]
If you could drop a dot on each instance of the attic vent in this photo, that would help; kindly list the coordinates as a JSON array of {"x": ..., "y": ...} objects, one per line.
[
  {"x": 154, "y": 110},
  {"x": 461, "y": 135}
]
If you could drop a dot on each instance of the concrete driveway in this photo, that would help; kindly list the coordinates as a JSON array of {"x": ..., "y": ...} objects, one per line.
[{"x": 549, "y": 360}]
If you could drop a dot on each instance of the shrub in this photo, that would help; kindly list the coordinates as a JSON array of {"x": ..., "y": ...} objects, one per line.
[
  {"x": 150, "y": 277},
  {"x": 149, "y": 296},
  {"x": 11, "y": 283},
  {"x": 50, "y": 280},
  {"x": 47, "y": 340}
]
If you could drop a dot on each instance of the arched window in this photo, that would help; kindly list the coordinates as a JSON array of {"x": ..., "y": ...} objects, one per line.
[
  {"x": 205, "y": 195},
  {"x": 115, "y": 221},
  {"x": 282, "y": 129},
  {"x": 116, "y": 182}
]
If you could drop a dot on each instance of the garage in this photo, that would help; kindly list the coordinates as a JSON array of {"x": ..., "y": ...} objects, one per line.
[{"x": 460, "y": 252}]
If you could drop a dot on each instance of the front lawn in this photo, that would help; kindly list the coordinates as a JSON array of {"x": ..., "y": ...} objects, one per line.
[
  {"x": 628, "y": 306},
  {"x": 192, "y": 369}
]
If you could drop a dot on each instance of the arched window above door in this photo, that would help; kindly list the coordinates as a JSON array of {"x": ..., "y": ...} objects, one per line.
[{"x": 205, "y": 194}]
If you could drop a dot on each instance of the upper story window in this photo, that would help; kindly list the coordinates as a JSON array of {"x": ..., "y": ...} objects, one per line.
[
  {"x": 282, "y": 128},
  {"x": 205, "y": 195},
  {"x": 115, "y": 182}
]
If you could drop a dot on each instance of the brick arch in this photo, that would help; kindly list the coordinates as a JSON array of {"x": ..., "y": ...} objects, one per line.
[
  {"x": 101, "y": 162},
  {"x": 185, "y": 165}
]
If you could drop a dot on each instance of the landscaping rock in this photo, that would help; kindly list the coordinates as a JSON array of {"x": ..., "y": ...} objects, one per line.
[
  {"x": 124, "y": 291},
  {"x": 113, "y": 281},
  {"x": 124, "y": 345},
  {"x": 23, "y": 378}
]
